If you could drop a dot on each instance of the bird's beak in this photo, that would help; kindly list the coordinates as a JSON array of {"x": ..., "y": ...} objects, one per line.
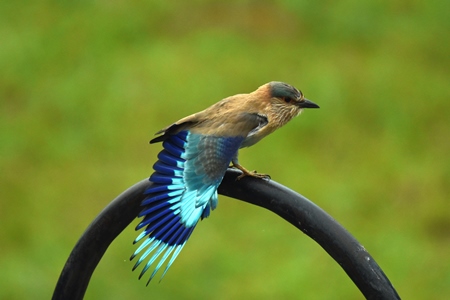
[{"x": 307, "y": 104}]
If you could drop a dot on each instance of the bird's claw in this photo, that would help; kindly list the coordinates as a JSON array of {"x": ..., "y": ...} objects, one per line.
[
  {"x": 253, "y": 174},
  {"x": 246, "y": 172}
]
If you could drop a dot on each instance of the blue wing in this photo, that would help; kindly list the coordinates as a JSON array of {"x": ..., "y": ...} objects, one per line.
[{"x": 188, "y": 171}]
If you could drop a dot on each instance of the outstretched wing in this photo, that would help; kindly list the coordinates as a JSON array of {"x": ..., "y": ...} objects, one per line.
[{"x": 187, "y": 174}]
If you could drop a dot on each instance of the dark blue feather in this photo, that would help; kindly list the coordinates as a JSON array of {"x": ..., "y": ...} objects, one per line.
[
  {"x": 163, "y": 168},
  {"x": 179, "y": 140},
  {"x": 173, "y": 148},
  {"x": 156, "y": 188},
  {"x": 151, "y": 209},
  {"x": 164, "y": 179},
  {"x": 167, "y": 158}
]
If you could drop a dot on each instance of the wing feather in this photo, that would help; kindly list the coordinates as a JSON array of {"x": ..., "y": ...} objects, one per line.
[{"x": 186, "y": 177}]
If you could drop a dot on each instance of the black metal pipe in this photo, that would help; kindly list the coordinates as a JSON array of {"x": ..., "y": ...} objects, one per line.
[{"x": 289, "y": 205}]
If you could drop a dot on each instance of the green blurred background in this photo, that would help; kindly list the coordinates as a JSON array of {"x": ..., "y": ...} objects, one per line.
[{"x": 84, "y": 85}]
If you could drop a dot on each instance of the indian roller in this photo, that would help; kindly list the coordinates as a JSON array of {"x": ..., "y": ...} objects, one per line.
[{"x": 197, "y": 150}]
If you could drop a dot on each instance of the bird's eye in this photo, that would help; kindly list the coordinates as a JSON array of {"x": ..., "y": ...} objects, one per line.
[{"x": 287, "y": 99}]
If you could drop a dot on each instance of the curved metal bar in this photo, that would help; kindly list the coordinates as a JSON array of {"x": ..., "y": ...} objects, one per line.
[
  {"x": 318, "y": 225},
  {"x": 291, "y": 206}
]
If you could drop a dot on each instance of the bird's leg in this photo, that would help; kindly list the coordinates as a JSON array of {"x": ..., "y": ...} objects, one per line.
[{"x": 246, "y": 172}]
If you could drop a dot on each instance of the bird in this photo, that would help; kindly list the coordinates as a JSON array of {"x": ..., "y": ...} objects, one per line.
[{"x": 197, "y": 151}]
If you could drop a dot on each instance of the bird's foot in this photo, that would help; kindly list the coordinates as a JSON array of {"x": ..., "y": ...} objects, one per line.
[
  {"x": 246, "y": 172},
  {"x": 254, "y": 174}
]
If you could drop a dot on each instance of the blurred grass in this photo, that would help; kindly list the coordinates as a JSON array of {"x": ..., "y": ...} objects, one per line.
[{"x": 84, "y": 85}]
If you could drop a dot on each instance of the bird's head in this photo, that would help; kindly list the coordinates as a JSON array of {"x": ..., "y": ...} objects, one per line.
[
  {"x": 285, "y": 95},
  {"x": 286, "y": 102}
]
